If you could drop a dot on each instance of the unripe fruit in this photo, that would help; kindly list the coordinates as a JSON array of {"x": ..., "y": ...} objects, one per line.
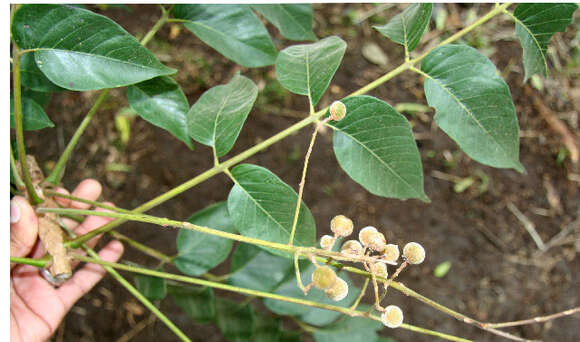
[
  {"x": 324, "y": 277},
  {"x": 352, "y": 247},
  {"x": 341, "y": 225},
  {"x": 338, "y": 291},
  {"x": 391, "y": 253},
  {"x": 392, "y": 317},
  {"x": 326, "y": 242},
  {"x": 380, "y": 269},
  {"x": 414, "y": 253},
  {"x": 377, "y": 242},
  {"x": 365, "y": 234},
  {"x": 337, "y": 111}
]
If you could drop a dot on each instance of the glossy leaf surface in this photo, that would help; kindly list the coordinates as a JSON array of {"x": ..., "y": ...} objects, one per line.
[
  {"x": 161, "y": 102},
  {"x": 199, "y": 252},
  {"x": 536, "y": 23},
  {"x": 293, "y": 20},
  {"x": 262, "y": 206},
  {"x": 374, "y": 145},
  {"x": 408, "y": 27},
  {"x": 474, "y": 105},
  {"x": 33, "y": 78},
  {"x": 197, "y": 302},
  {"x": 233, "y": 30},
  {"x": 216, "y": 119},
  {"x": 81, "y": 50},
  {"x": 307, "y": 69}
]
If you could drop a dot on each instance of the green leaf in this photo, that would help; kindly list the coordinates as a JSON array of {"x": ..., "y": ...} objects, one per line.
[
  {"x": 307, "y": 69},
  {"x": 266, "y": 329},
  {"x": 407, "y": 27},
  {"x": 233, "y": 30},
  {"x": 256, "y": 269},
  {"x": 314, "y": 316},
  {"x": 234, "y": 321},
  {"x": 161, "y": 102},
  {"x": 199, "y": 252},
  {"x": 33, "y": 78},
  {"x": 197, "y": 302},
  {"x": 33, "y": 115},
  {"x": 535, "y": 24},
  {"x": 216, "y": 119},
  {"x": 81, "y": 50},
  {"x": 441, "y": 270},
  {"x": 293, "y": 20},
  {"x": 262, "y": 206},
  {"x": 151, "y": 287},
  {"x": 374, "y": 145},
  {"x": 349, "y": 329},
  {"x": 40, "y": 97},
  {"x": 290, "y": 336},
  {"x": 474, "y": 105}
]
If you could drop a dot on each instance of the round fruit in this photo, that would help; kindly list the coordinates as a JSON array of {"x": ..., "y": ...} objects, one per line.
[
  {"x": 365, "y": 234},
  {"x": 392, "y": 317},
  {"x": 341, "y": 225},
  {"x": 324, "y": 277},
  {"x": 337, "y": 111},
  {"x": 391, "y": 252},
  {"x": 326, "y": 242},
  {"x": 338, "y": 291},
  {"x": 381, "y": 269},
  {"x": 352, "y": 247},
  {"x": 414, "y": 253}
]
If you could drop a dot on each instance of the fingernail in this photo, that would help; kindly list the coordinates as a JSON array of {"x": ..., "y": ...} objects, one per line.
[{"x": 14, "y": 212}]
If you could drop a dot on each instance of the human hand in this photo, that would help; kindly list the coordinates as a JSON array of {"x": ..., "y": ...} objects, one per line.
[{"x": 36, "y": 307}]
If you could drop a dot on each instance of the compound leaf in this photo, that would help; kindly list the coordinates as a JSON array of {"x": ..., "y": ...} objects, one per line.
[
  {"x": 233, "y": 30},
  {"x": 234, "y": 321},
  {"x": 535, "y": 24},
  {"x": 151, "y": 287},
  {"x": 216, "y": 119},
  {"x": 80, "y": 50},
  {"x": 199, "y": 252},
  {"x": 374, "y": 145},
  {"x": 255, "y": 268},
  {"x": 262, "y": 206},
  {"x": 293, "y": 20},
  {"x": 161, "y": 102},
  {"x": 407, "y": 27},
  {"x": 307, "y": 69},
  {"x": 474, "y": 106},
  {"x": 197, "y": 302},
  {"x": 33, "y": 115}
]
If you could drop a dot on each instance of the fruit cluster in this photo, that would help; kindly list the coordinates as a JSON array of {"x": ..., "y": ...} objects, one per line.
[{"x": 371, "y": 244}]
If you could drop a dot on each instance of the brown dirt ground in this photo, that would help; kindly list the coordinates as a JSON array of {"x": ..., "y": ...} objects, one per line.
[{"x": 496, "y": 275}]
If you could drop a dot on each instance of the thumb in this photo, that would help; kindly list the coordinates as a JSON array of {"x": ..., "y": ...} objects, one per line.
[{"x": 23, "y": 227}]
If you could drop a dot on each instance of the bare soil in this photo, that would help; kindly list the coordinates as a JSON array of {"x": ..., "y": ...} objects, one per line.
[{"x": 497, "y": 272}]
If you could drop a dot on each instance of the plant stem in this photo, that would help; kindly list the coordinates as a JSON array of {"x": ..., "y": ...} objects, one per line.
[
  {"x": 250, "y": 292},
  {"x": 15, "y": 174},
  {"x": 141, "y": 247},
  {"x": 32, "y": 195},
  {"x": 146, "y": 302},
  {"x": 56, "y": 174},
  {"x": 84, "y": 200},
  {"x": 303, "y": 180},
  {"x": 534, "y": 320}
]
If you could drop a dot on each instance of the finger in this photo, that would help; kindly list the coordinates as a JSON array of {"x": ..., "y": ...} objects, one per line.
[
  {"x": 88, "y": 276},
  {"x": 23, "y": 227},
  {"x": 88, "y": 189},
  {"x": 93, "y": 222},
  {"x": 65, "y": 202}
]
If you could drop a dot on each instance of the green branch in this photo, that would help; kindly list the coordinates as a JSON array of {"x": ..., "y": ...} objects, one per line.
[
  {"x": 250, "y": 292},
  {"x": 32, "y": 195}
]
